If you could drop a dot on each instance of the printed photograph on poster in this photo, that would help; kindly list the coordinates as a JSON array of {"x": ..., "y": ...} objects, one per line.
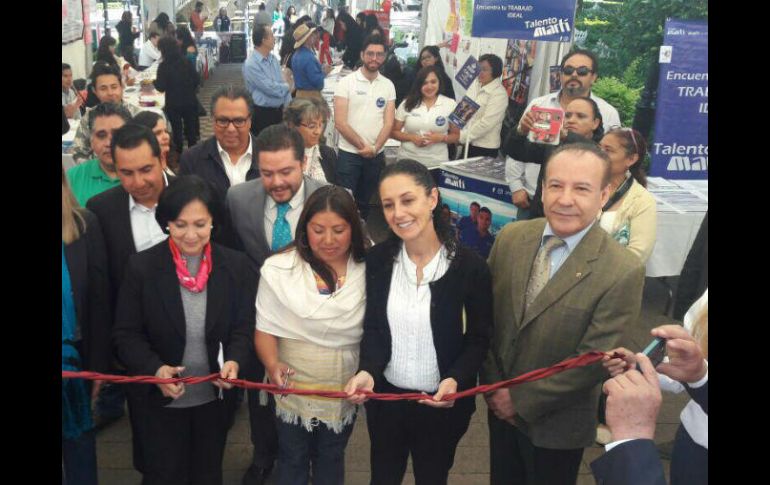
[
  {"x": 554, "y": 78},
  {"x": 468, "y": 72},
  {"x": 466, "y": 46},
  {"x": 463, "y": 113},
  {"x": 519, "y": 57},
  {"x": 547, "y": 127}
]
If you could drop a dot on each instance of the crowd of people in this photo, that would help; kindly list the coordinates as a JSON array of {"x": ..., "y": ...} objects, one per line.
[{"x": 248, "y": 255}]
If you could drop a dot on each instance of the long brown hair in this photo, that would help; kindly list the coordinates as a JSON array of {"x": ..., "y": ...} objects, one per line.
[
  {"x": 71, "y": 220},
  {"x": 334, "y": 199}
]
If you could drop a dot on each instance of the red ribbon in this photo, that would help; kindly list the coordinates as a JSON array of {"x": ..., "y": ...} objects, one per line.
[{"x": 572, "y": 363}]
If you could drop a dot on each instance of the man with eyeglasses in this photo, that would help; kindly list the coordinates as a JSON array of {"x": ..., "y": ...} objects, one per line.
[
  {"x": 579, "y": 70},
  {"x": 98, "y": 174},
  {"x": 364, "y": 113},
  {"x": 227, "y": 158},
  {"x": 262, "y": 78}
]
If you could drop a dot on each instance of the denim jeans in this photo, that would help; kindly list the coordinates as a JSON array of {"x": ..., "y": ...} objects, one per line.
[
  {"x": 79, "y": 457},
  {"x": 361, "y": 175},
  {"x": 322, "y": 448}
]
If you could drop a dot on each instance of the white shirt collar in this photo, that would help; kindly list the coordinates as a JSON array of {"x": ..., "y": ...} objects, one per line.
[
  {"x": 491, "y": 85},
  {"x": 132, "y": 203},
  {"x": 429, "y": 272},
  {"x": 223, "y": 152},
  {"x": 571, "y": 241},
  {"x": 296, "y": 201},
  {"x": 360, "y": 76}
]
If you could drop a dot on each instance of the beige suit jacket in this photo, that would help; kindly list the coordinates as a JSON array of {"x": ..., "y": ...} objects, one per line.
[{"x": 586, "y": 305}]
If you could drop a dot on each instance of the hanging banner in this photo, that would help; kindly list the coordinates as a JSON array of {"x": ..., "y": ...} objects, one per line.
[
  {"x": 551, "y": 20},
  {"x": 469, "y": 72},
  {"x": 680, "y": 148}
]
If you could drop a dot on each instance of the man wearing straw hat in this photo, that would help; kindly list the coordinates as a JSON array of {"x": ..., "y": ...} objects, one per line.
[{"x": 308, "y": 73}]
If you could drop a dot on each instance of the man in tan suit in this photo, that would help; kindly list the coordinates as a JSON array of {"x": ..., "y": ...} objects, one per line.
[{"x": 562, "y": 287}]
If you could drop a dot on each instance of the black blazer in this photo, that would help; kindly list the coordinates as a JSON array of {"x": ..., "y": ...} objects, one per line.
[
  {"x": 204, "y": 161},
  {"x": 111, "y": 208},
  {"x": 150, "y": 324},
  {"x": 634, "y": 462},
  {"x": 179, "y": 79},
  {"x": 87, "y": 263},
  {"x": 329, "y": 163},
  {"x": 467, "y": 283}
]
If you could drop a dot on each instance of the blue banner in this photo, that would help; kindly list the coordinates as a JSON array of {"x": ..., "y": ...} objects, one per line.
[
  {"x": 468, "y": 72},
  {"x": 681, "y": 148},
  {"x": 551, "y": 20}
]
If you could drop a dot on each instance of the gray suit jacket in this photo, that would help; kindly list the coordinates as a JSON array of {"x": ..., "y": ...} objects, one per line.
[
  {"x": 246, "y": 204},
  {"x": 587, "y": 305}
]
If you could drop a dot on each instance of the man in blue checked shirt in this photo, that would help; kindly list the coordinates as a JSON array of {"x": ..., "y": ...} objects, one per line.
[
  {"x": 308, "y": 73},
  {"x": 262, "y": 77}
]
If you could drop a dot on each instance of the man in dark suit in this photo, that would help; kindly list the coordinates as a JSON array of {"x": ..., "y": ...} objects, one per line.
[
  {"x": 561, "y": 287},
  {"x": 126, "y": 215},
  {"x": 264, "y": 214},
  {"x": 228, "y": 157}
]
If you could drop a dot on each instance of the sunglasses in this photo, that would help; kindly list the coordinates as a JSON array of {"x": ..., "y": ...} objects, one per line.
[{"x": 581, "y": 71}]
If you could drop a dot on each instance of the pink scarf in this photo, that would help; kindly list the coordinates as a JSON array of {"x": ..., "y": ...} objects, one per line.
[{"x": 197, "y": 283}]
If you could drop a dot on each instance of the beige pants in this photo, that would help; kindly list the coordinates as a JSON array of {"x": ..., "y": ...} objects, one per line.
[{"x": 305, "y": 93}]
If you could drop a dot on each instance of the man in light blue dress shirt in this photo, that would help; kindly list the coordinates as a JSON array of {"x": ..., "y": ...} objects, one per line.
[{"x": 262, "y": 77}]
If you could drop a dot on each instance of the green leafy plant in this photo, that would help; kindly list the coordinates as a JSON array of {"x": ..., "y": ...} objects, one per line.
[{"x": 622, "y": 97}]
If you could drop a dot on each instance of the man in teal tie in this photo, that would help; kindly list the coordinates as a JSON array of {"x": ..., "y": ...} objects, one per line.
[{"x": 264, "y": 214}]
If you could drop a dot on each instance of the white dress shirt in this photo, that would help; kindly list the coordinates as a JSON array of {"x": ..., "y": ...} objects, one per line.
[
  {"x": 145, "y": 229},
  {"x": 292, "y": 215},
  {"x": 413, "y": 362},
  {"x": 236, "y": 173}
]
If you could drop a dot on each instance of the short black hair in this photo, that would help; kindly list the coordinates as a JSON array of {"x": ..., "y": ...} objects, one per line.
[
  {"x": 494, "y": 62},
  {"x": 475, "y": 203},
  {"x": 65, "y": 66},
  {"x": 258, "y": 34},
  {"x": 583, "y": 52},
  {"x": 107, "y": 109},
  {"x": 280, "y": 137},
  {"x": 131, "y": 135},
  {"x": 485, "y": 209},
  {"x": 231, "y": 92},
  {"x": 373, "y": 39},
  {"x": 104, "y": 69},
  {"x": 261, "y": 6},
  {"x": 181, "y": 191}
]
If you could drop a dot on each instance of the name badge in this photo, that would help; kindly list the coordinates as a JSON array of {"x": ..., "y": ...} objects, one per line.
[
  {"x": 380, "y": 102},
  {"x": 361, "y": 93},
  {"x": 440, "y": 121}
]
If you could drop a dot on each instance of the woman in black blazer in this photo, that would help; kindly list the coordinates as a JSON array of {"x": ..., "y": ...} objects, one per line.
[
  {"x": 186, "y": 307},
  {"x": 417, "y": 284},
  {"x": 309, "y": 116},
  {"x": 85, "y": 333}
]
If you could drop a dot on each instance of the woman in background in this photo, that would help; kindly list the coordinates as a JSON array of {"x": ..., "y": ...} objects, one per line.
[
  {"x": 85, "y": 333},
  {"x": 309, "y": 116},
  {"x": 630, "y": 216},
  {"x": 157, "y": 124},
  {"x": 179, "y": 80}
]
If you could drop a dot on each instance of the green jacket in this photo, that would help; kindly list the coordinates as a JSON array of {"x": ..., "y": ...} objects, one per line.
[{"x": 587, "y": 305}]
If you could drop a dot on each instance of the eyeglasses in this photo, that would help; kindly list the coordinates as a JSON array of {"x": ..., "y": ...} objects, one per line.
[
  {"x": 311, "y": 126},
  {"x": 378, "y": 55},
  {"x": 581, "y": 71},
  {"x": 225, "y": 122}
]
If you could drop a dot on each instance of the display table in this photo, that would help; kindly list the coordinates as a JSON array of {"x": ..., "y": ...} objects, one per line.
[
  {"x": 481, "y": 180},
  {"x": 682, "y": 205}
]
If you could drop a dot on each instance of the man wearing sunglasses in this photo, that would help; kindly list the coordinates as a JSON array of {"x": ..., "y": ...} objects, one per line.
[
  {"x": 579, "y": 70},
  {"x": 227, "y": 158}
]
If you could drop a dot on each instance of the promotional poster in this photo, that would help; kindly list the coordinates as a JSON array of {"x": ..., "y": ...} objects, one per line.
[{"x": 551, "y": 20}]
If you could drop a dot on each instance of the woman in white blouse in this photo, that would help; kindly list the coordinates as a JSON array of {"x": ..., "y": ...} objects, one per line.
[
  {"x": 309, "y": 117},
  {"x": 483, "y": 130},
  {"x": 630, "y": 215},
  {"x": 422, "y": 120},
  {"x": 310, "y": 311},
  {"x": 419, "y": 283}
]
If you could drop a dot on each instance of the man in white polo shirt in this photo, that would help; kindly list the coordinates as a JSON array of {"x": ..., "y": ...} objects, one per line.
[{"x": 364, "y": 110}]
